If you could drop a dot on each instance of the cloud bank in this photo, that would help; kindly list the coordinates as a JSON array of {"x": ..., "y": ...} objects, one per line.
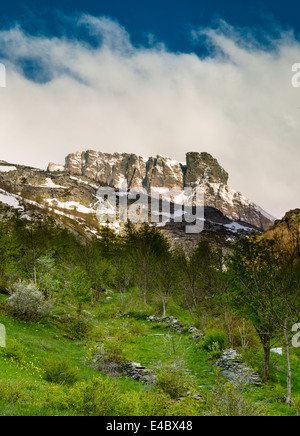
[{"x": 65, "y": 95}]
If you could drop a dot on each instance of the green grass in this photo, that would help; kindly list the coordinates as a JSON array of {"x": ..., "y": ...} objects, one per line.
[{"x": 46, "y": 341}]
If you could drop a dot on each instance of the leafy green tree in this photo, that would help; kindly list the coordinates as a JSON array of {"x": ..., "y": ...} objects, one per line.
[
  {"x": 145, "y": 246},
  {"x": 166, "y": 283},
  {"x": 47, "y": 274},
  {"x": 80, "y": 287},
  {"x": 199, "y": 276},
  {"x": 10, "y": 253},
  {"x": 264, "y": 275},
  {"x": 249, "y": 273},
  {"x": 284, "y": 259}
]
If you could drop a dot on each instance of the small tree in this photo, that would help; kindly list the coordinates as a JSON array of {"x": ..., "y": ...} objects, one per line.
[
  {"x": 249, "y": 276},
  {"x": 176, "y": 348},
  {"x": 47, "y": 275},
  {"x": 199, "y": 277},
  {"x": 80, "y": 287},
  {"x": 165, "y": 282},
  {"x": 146, "y": 246}
]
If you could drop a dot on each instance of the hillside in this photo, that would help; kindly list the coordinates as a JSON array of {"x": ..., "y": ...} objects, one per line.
[
  {"x": 290, "y": 223},
  {"x": 25, "y": 391}
]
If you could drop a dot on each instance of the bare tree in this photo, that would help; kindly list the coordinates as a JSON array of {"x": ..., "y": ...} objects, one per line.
[{"x": 176, "y": 348}]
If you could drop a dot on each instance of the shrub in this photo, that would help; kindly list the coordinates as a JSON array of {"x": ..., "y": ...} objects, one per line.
[
  {"x": 98, "y": 397},
  {"x": 27, "y": 302},
  {"x": 13, "y": 392},
  {"x": 79, "y": 327},
  {"x": 141, "y": 314},
  {"x": 119, "y": 332},
  {"x": 14, "y": 350},
  {"x": 136, "y": 328},
  {"x": 61, "y": 372},
  {"x": 215, "y": 341},
  {"x": 173, "y": 382},
  {"x": 188, "y": 406},
  {"x": 102, "y": 397},
  {"x": 150, "y": 403},
  {"x": 296, "y": 404},
  {"x": 227, "y": 400},
  {"x": 54, "y": 396},
  {"x": 108, "y": 358},
  {"x": 3, "y": 286}
]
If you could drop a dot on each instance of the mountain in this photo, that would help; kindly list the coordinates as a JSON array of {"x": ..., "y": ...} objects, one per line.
[
  {"x": 199, "y": 170},
  {"x": 67, "y": 194}
]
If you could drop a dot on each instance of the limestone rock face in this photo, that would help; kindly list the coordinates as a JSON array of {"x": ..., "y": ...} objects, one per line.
[
  {"x": 53, "y": 168},
  {"x": 199, "y": 170},
  {"x": 109, "y": 169},
  {"x": 157, "y": 171},
  {"x": 163, "y": 172},
  {"x": 202, "y": 168}
]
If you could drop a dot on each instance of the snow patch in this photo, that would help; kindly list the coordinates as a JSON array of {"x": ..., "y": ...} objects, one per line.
[
  {"x": 10, "y": 199},
  {"x": 70, "y": 205},
  {"x": 235, "y": 227},
  {"x": 7, "y": 168},
  {"x": 84, "y": 182},
  {"x": 50, "y": 184}
]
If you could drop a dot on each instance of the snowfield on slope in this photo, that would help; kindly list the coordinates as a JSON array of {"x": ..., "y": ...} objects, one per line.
[
  {"x": 70, "y": 205},
  {"x": 10, "y": 199}
]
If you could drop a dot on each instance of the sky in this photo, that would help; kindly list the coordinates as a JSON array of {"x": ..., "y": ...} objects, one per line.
[{"x": 157, "y": 77}]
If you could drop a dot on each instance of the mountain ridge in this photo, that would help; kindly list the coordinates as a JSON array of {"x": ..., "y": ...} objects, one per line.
[
  {"x": 72, "y": 202},
  {"x": 199, "y": 170}
]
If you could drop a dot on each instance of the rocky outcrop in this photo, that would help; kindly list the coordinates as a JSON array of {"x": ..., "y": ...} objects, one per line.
[
  {"x": 159, "y": 171},
  {"x": 202, "y": 168},
  {"x": 163, "y": 172},
  {"x": 53, "y": 168},
  {"x": 199, "y": 170},
  {"x": 109, "y": 169}
]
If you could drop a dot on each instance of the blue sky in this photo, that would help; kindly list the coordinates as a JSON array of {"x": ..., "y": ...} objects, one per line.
[
  {"x": 170, "y": 21},
  {"x": 157, "y": 77}
]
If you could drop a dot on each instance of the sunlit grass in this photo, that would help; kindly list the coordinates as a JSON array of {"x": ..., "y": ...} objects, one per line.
[{"x": 47, "y": 341}]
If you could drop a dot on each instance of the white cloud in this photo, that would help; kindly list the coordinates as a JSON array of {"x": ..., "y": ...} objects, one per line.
[{"x": 238, "y": 104}]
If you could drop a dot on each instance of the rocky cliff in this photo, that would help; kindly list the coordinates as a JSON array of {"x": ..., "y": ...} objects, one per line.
[{"x": 199, "y": 170}]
